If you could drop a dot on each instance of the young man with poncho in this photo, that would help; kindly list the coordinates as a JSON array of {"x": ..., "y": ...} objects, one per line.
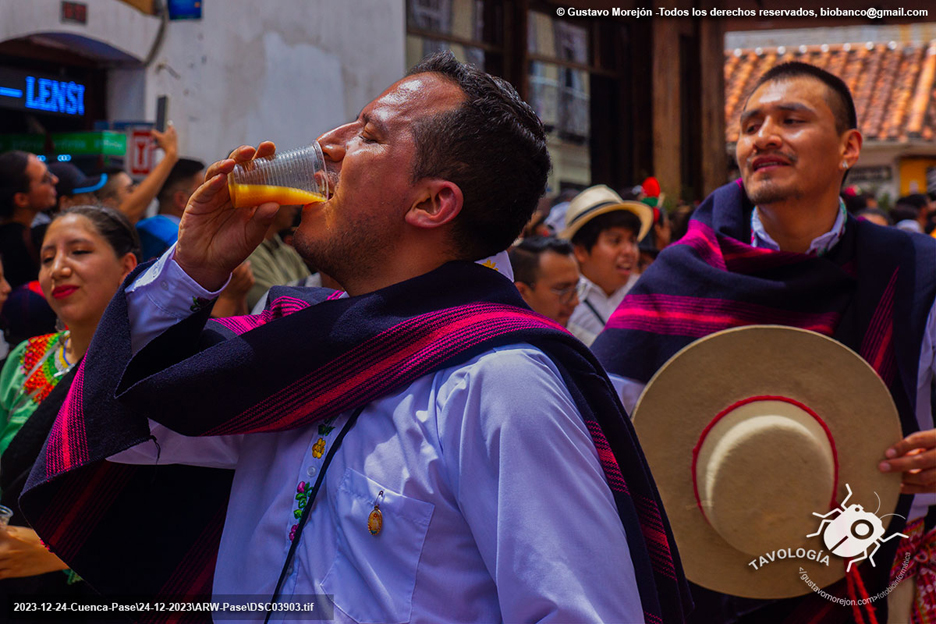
[{"x": 421, "y": 448}]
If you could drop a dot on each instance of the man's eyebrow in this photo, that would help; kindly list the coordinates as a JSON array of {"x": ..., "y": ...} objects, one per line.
[{"x": 795, "y": 107}]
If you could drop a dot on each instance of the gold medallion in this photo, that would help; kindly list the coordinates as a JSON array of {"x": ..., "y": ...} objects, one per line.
[{"x": 375, "y": 521}]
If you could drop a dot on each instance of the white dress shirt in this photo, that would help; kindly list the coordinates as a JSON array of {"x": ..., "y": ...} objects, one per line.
[
  {"x": 630, "y": 389},
  {"x": 494, "y": 503},
  {"x": 586, "y": 323}
]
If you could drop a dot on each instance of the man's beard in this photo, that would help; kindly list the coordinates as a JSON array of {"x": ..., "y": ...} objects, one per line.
[
  {"x": 767, "y": 194},
  {"x": 349, "y": 256}
]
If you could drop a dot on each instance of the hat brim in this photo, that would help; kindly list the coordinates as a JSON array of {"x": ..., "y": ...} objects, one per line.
[
  {"x": 724, "y": 368},
  {"x": 641, "y": 210},
  {"x": 91, "y": 184}
]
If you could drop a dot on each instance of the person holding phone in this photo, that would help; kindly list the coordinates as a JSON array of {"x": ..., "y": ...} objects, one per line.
[{"x": 131, "y": 199}]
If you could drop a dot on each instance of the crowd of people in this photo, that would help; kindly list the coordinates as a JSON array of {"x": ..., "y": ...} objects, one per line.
[{"x": 350, "y": 402}]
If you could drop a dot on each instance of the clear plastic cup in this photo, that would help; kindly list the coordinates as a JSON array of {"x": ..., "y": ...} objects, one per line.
[
  {"x": 5, "y": 514},
  {"x": 297, "y": 177}
]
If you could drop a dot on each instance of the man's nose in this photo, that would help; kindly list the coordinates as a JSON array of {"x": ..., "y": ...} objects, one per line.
[
  {"x": 333, "y": 143},
  {"x": 767, "y": 136}
]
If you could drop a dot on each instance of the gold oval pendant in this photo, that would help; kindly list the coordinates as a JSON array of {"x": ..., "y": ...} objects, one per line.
[{"x": 375, "y": 521}]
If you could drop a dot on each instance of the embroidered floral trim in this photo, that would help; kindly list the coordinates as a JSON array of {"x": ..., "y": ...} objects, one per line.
[
  {"x": 304, "y": 487},
  {"x": 44, "y": 379}
]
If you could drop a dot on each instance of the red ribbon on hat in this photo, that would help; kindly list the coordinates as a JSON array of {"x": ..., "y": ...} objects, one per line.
[{"x": 698, "y": 447}]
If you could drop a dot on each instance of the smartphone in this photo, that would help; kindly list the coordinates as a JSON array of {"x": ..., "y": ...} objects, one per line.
[{"x": 162, "y": 112}]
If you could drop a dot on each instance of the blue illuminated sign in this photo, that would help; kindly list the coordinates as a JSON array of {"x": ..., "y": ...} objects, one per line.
[
  {"x": 26, "y": 90},
  {"x": 54, "y": 96}
]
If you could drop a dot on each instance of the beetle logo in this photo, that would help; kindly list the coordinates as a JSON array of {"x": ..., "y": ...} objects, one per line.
[{"x": 852, "y": 530}]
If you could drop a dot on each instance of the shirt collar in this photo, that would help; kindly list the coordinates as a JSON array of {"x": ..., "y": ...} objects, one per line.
[
  {"x": 819, "y": 246},
  {"x": 590, "y": 288}
]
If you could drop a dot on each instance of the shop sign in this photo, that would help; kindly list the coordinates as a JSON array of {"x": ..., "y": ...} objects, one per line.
[
  {"x": 74, "y": 13},
  {"x": 90, "y": 143},
  {"x": 870, "y": 174},
  {"x": 142, "y": 151},
  {"x": 30, "y": 91},
  {"x": 32, "y": 143}
]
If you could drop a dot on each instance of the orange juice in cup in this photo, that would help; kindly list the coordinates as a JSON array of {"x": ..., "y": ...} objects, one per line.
[
  {"x": 297, "y": 177},
  {"x": 245, "y": 195}
]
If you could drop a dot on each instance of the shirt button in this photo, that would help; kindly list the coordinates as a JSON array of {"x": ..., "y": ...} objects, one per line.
[
  {"x": 311, "y": 471},
  {"x": 164, "y": 285}
]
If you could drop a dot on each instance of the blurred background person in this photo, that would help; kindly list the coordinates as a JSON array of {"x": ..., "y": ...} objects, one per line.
[
  {"x": 679, "y": 220},
  {"x": 158, "y": 233},
  {"x": 874, "y": 215},
  {"x": 560, "y": 204},
  {"x": 274, "y": 263},
  {"x": 536, "y": 226},
  {"x": 856, "y": 199},
  {"x": 911, "y": 213},
  {"x": 547, "y": 276},
  {"x": 27, "y": 188},
  {"x": 604, "y": 230},
  {"x": 233, "y": 299},
  {"x": 26, "y": 313},
  {"x": 131, "y": 199},
  {"x": 74, "y": 188},
  {"x": 85, "y": 255},
  {"x": 4, "y": 295}
]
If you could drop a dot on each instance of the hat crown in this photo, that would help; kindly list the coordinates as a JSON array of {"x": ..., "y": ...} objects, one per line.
[
  {"x": 760, "y": 472},
  {"x": 590, "y": 198},
  {"x": 600, "y": 199}
]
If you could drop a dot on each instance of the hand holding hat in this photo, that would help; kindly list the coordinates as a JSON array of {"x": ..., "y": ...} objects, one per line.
[
  {"x": 915, "y": 457},
  {"x": 749, "y": 433}
]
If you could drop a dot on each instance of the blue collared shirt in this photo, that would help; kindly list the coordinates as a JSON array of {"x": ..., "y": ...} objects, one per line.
[{"x": 819, "y": 246}]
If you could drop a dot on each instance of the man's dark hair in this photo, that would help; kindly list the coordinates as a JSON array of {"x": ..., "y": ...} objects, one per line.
[
  {"x": 109, "y": 190},
  {"x": 182, "y": 171},
  {"x": 855, "y": 203},
  {"x": 915, "y": 201},
  {"x": 588, "y": 234},
  {"x": 525, "y": 256},
  {"x": 493, "y": 146},
  {"x": 13, "y": 179},
  {"x": 839, "y": 97},
  {"x": 113, "y": 227},
  {"x": 904, "y": 212}
]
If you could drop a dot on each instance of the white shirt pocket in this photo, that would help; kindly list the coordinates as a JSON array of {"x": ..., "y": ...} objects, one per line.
[{"x": 373, "y": 576}]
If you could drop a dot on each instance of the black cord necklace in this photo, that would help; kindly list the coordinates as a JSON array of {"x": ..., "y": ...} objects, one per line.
[{"x": 308, "y": 508}]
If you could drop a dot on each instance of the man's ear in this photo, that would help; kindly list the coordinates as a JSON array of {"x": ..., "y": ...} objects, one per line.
[
  {"x": 180, "y": 200},
  {"x": 438, "y": 203},
  {"x": 581, "y": 254},
  {"x": 523, "y": 288},
  {"x": 21, "y": 200},
  {"x": 851, "y": 147}
]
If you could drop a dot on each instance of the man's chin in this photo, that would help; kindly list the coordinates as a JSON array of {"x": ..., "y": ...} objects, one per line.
[{"x": 762, "y": 193}]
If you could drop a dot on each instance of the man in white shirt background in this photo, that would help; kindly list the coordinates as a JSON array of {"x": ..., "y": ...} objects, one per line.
[
  {"x": 547, "y": 276},
  {"x": 604, "y": 230}
]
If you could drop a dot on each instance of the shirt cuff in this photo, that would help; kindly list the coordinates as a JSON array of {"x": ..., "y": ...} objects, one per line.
[{"x": 171, "y": 289}]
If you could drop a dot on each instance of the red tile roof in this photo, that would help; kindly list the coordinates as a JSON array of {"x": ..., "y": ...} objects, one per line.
[{"x": 894, "y": 86}]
